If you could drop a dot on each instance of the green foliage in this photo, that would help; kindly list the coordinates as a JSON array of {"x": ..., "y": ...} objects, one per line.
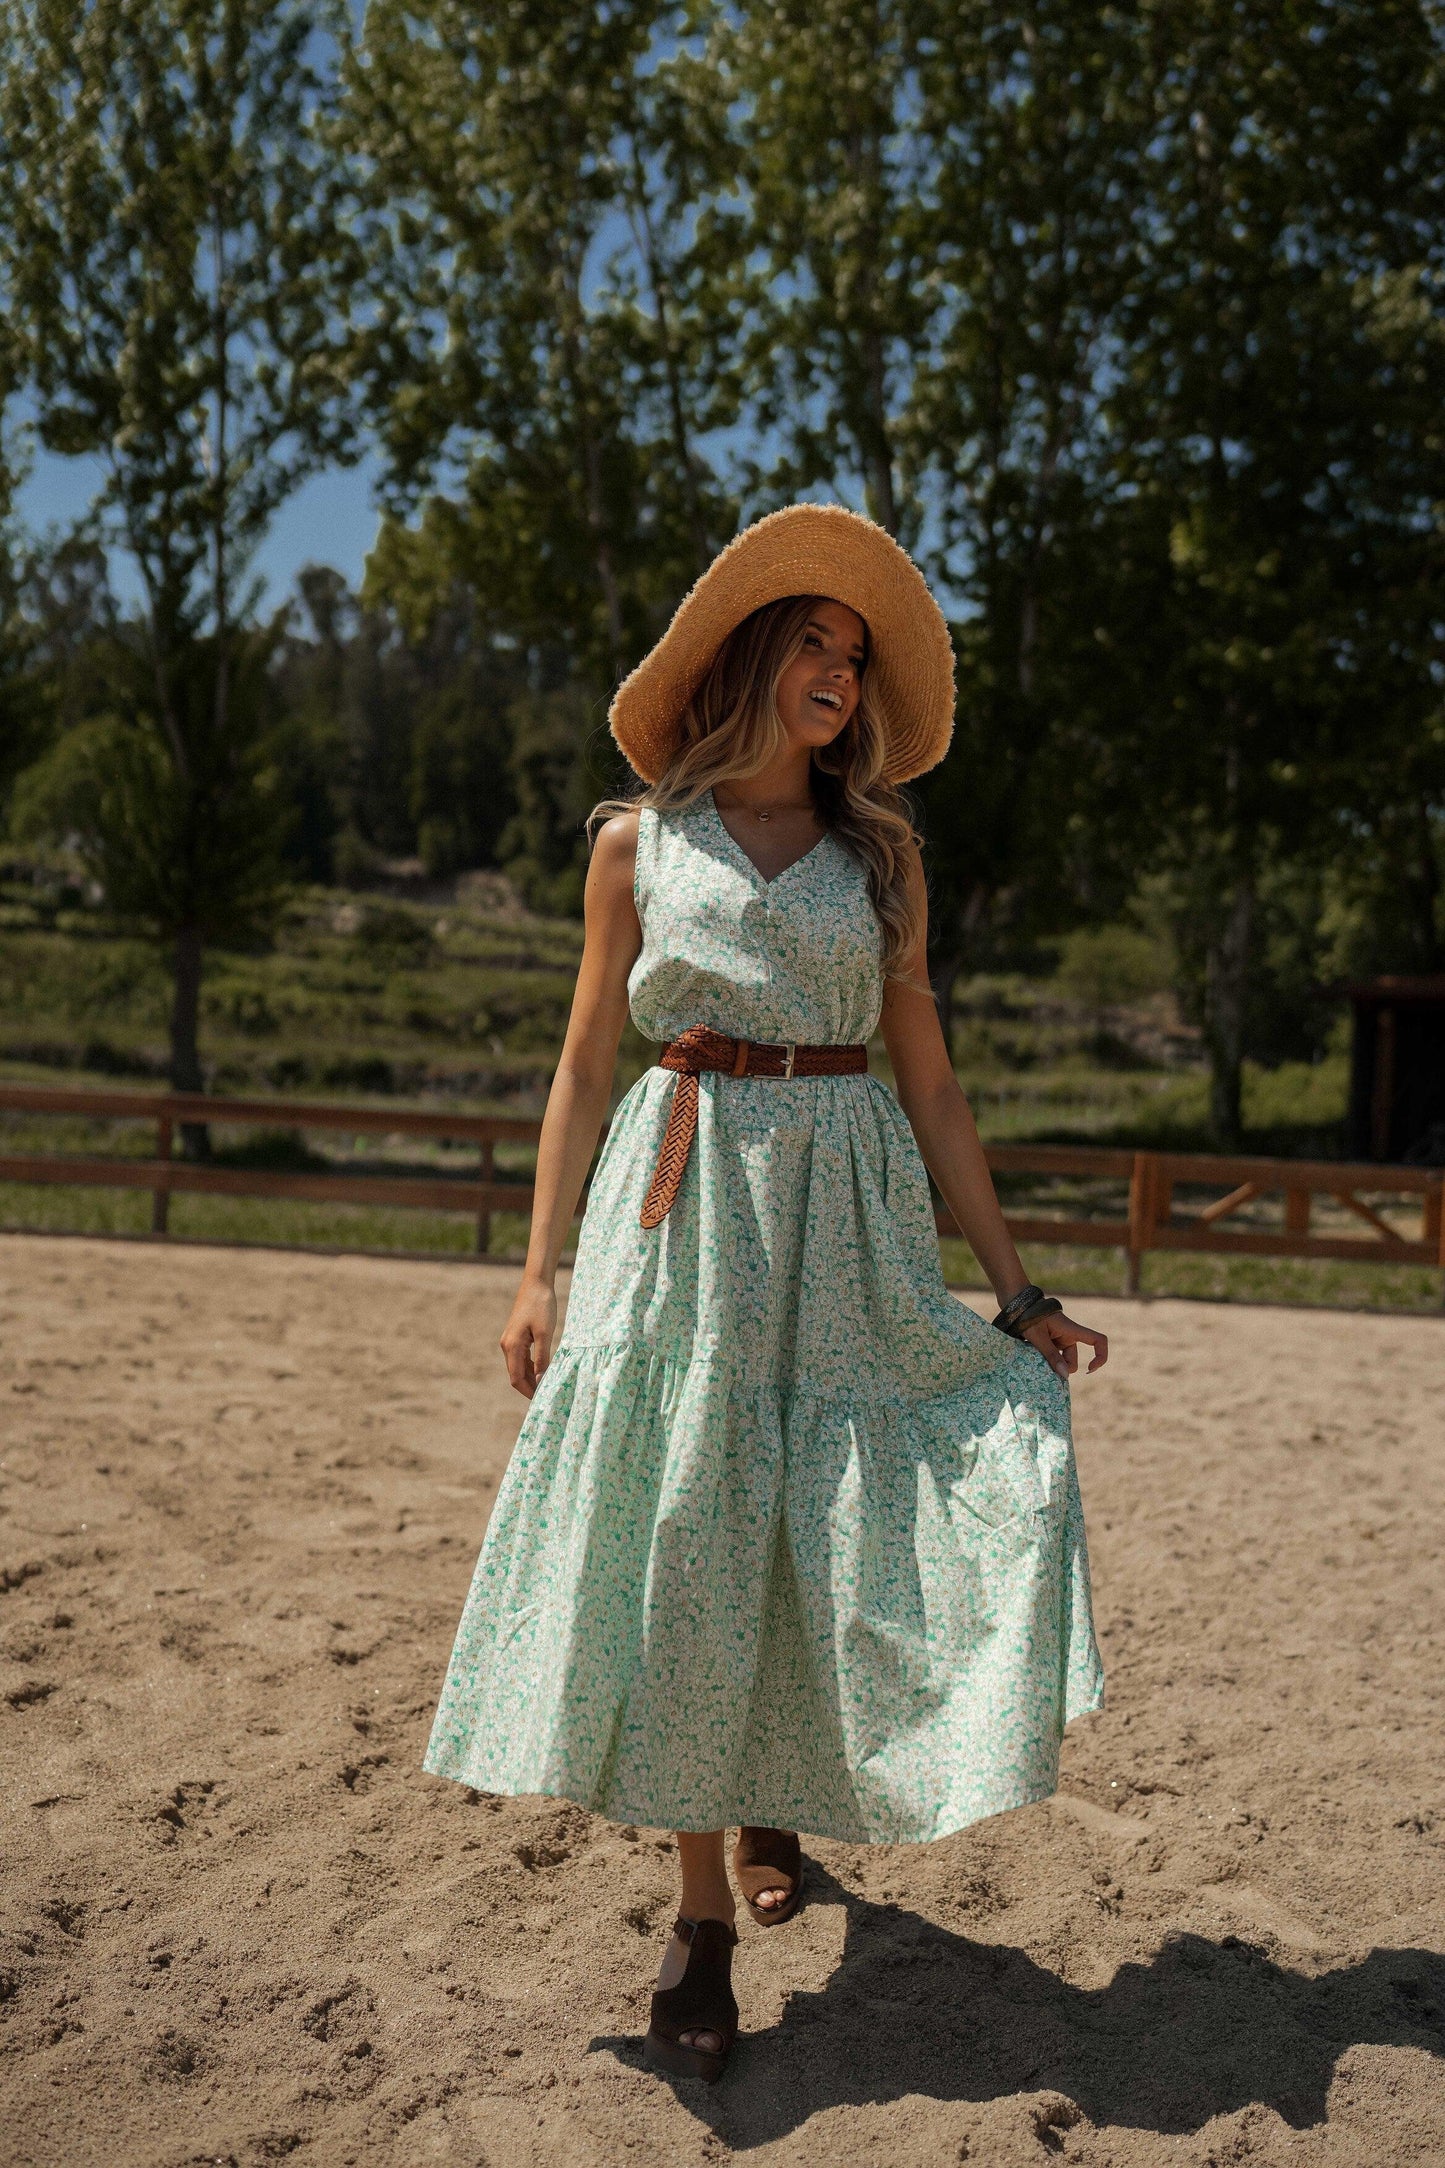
[
  {"x": 499, "y": 146},
  {"x": 1279, "y": 464},
  {"x": 177, "y": 268},
  {"x": 556, "y": 784},
  {"x": 393, "y": 745},
  {"x": 348, "y": 994},
  {"x": 26, "y": 694},
  {"x": 170, "y": 847},
  {"x": 1105, "y": 967},
  {"x": 177, "y": 275}
]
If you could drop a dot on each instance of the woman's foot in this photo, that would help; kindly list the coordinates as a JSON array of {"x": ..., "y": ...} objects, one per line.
[
  {"x": 768, "y": 1864},
  {"x": 694, "y": 2012},
  {"x": 706, "y": 1895}
]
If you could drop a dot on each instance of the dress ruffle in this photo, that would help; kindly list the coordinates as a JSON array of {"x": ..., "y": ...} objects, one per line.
[{"x": 689, "y": 1612}]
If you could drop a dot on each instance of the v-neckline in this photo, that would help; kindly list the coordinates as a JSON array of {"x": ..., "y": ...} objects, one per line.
[{"x": 768, "y": 880}]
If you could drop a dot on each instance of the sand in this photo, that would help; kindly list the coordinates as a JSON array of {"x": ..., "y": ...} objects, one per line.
[{"x": 242, "y": 1496}]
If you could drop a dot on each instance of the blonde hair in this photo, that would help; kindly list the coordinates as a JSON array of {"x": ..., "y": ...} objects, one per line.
[{"x": 731, "y": 729}]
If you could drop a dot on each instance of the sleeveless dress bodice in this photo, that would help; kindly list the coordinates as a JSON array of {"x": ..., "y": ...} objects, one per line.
[
  {"x": 789, "y": 1536},
  {"x": 796, "y": 957}
]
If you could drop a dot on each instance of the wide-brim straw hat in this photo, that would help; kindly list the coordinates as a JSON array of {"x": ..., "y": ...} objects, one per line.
[{"x": 806, "y": 549}]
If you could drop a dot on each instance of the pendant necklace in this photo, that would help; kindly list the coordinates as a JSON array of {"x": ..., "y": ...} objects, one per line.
[{"x": 784, "y": 805}]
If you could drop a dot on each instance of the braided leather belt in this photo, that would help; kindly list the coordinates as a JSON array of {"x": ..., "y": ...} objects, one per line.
[{"x": 700, "y": 1048}]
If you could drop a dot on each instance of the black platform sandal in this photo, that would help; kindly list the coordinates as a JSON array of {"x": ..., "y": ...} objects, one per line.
[
  {"x": 702, "y": 2001},
  {"x": 762, "y": 1860}
]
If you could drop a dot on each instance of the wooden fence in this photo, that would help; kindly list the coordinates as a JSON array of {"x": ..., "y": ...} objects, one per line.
[
  {"x": 1160, "y": 1218},
  {"x": 480, "y": 1194},
  {"x": 1170, "y": 1200}
]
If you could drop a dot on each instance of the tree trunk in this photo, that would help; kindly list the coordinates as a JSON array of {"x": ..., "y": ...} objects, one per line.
[
  {"x": 681, "y": 441},
  {"x": 186, "y": 1073},
  {"x": 1425, "y": 893},
  {"x": 595, "y": 495},
  {"x": 606, "y": 570},
  {"x": 1227, "y": 964},
  {"x": 878, "y": 457},
  {"x": 872, "y": 430}
]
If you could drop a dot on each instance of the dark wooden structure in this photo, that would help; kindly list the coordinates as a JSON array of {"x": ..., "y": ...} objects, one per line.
[{"x": 1397, "y": 1075}]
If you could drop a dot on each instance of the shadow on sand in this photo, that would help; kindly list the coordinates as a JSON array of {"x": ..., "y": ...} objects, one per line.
[{"x": 1203, "y": 2029}]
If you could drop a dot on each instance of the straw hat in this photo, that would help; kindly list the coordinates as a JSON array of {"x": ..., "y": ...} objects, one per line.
[{"x": 806, "y": 549}]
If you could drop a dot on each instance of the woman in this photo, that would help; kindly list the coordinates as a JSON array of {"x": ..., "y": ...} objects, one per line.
[{"x": 790, "y": 1538}]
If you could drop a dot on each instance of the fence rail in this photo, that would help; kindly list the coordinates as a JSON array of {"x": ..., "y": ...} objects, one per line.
[{"x": 1157, "y": 1216}]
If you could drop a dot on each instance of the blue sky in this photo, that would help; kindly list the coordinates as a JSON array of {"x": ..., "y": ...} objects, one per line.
[{"x": 331, "y": 520}]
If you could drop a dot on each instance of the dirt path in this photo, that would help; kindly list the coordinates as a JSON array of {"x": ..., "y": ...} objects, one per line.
[{"x": 242, "y": 1495}]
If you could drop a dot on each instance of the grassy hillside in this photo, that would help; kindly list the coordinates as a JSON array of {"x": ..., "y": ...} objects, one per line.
[{"x": 374, "y": 995}]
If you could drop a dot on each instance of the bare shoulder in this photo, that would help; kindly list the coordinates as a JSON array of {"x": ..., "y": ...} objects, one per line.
[
  {"x": 615, "y": 849},
  {"x": 614, "y": 857}
]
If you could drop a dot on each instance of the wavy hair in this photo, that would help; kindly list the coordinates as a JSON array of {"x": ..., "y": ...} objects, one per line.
[{"x": 731, "y": 729}]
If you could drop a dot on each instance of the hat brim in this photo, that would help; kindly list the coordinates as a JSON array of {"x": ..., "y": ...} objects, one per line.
[{"x": 806, "y": 549}]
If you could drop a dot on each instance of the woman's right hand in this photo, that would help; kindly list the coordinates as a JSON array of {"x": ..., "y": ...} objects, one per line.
[{"x": 527, "y": 1341}]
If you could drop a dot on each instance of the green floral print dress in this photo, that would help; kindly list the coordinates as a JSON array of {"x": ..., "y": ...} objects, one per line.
[{"x": 789, "y": 1536}]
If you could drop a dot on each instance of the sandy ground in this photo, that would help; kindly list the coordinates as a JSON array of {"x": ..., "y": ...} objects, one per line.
[{"x": 242, "y": 1495}]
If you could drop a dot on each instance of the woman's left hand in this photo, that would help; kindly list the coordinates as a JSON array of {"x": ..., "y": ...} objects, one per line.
[{"x": 1058, "y": 1340}]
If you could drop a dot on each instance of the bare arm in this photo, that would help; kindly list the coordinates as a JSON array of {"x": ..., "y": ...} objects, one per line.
[
  {"x": 942, "y": 1121},
  {"x": 581, "y": 1086}
]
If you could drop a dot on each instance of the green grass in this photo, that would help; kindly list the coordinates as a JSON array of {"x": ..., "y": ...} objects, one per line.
[
  {"x": 42, "y": 1209},
  {"x": 1079, "y": 1273}
]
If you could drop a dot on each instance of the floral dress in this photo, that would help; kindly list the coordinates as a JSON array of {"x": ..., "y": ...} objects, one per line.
[{"x": 789, "y": 1535}]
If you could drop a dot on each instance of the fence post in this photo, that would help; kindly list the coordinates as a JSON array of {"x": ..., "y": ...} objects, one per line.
[
  {"x": 1297, "y": 1204},
  {"x": 161, "y": 1194},
  {"x": 484, "y": 1217},
  {"x": 1141, "y": 1213}
]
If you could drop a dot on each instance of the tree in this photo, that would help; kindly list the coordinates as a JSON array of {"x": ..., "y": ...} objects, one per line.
[
  {"x": 1037, "y": 137},
  {"x": 1275, "y": 414},
  {"x": 165, "y": 845},
  {"x": 24, "y": 705},
  {"x": 534, "y": 400},
  {"x": 833, "y": 219},
  {"x": 176, "y": 263},
  {"x": 939, "y": 205},
  {"x": 392, "y": 746}
]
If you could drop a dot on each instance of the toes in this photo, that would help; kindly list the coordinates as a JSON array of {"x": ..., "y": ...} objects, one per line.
[{"x": 709, "y": 2043}]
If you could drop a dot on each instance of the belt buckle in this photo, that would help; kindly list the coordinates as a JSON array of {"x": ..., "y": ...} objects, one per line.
[{"x": 790, "y": 1050}]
